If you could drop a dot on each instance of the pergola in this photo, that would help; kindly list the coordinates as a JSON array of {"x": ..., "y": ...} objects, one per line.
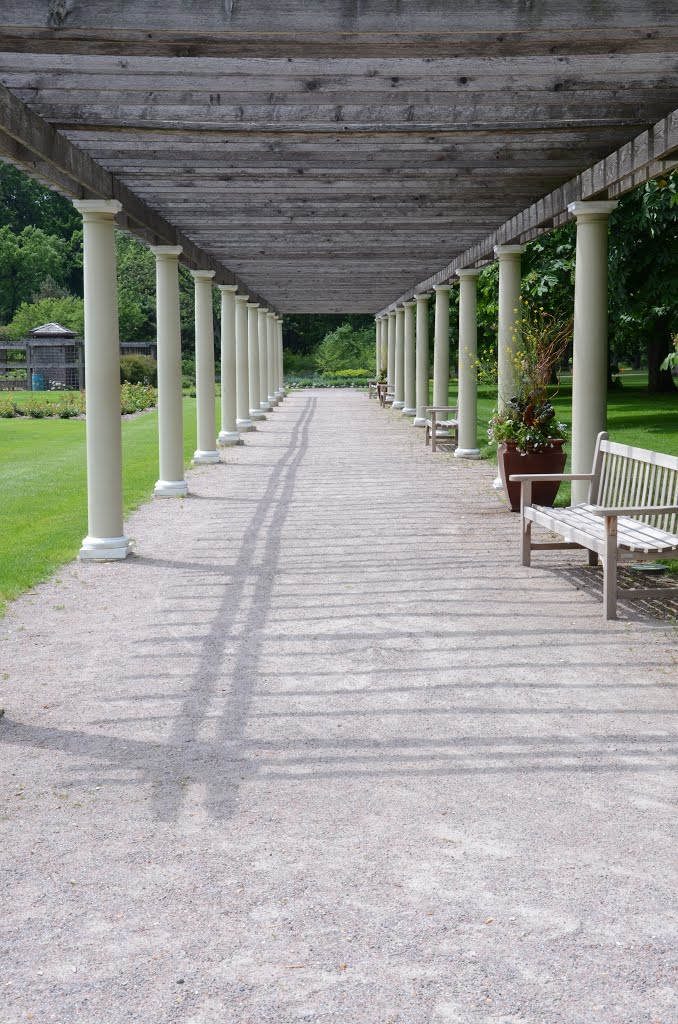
[{"x": 334, "y": 155}]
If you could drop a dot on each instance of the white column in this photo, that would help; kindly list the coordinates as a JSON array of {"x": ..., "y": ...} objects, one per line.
[
  {"x": 105, "y": 538},
  {"x": 441, "y": 346},
  {"x": 262, "y": 332},
  {"x": 171, "y": 482},
  {"x": 377, "y": 346},
  {"x": 383, "y": 346},
  {"x": 228, "y": 435},
  {"x": 390, "y": 349},
  {"x": 508, "y": 336},
  {"x": 399, "y": 400},
  {"x": 242, "y": 366},
  {"x": 272, "y": 352},
  {"x": 409, "y": 370},
  {"x": 422, "y": 358},
  {"x": 468, "y": 366},
  {"x": 509, "y": 320},
  {"x": 206, "y": 451},
  {"x": 590, "y": 358},
  {"x": 253, "y": 354},
  {"x": 281, "y": 368}
]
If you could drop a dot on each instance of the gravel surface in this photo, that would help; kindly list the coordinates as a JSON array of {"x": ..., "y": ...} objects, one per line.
[{"x": 324, "y": 751}]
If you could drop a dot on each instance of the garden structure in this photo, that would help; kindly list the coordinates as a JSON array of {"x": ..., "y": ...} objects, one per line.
[{"x": 321, "y": 157}]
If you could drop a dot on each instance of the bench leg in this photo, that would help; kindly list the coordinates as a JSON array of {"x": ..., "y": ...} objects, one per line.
[
  {"x": 593, "y": 558},
  {"x": 526, "y": 541},
  {"x": 610, "y": 569},
  {"x": 434, "y": 431}
]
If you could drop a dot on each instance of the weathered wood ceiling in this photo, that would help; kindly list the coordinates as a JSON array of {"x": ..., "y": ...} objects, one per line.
[{"x": 334, "y": 153}]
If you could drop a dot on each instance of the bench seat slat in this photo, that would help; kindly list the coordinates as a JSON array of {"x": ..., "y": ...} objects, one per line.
[{"x": 581, "y": 525}]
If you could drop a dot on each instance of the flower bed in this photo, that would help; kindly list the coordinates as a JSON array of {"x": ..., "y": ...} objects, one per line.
[{"x": 133, "y": 398}]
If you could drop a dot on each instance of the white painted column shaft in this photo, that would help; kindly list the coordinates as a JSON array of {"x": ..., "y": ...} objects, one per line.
[
  {"x": 253, "y": 353},
  {"x": 508, "y": 336},
  {"x": 171, "y": 482},
  {"x": 399, "y": 400},
  {"x": 262, "y": 335},
  {"x": 105, "y": 538},
  {"x": 272, "y": 353},
  {"x": 409, "y": 365},
  {"x": 422, "y": 358},
  {"x": 228, "y": 435},
  {"x": 468, "y": 366},
  {"x": 509, "y": 321},
  {"x": 390, "y": 351},
  {"x": 242, "y": 366},
  {"x": 441, "y": 346},
  {"x": 206, "y": 451},
  {"x": 281, "y": 370},
  {"x": 590, "y": 356}
]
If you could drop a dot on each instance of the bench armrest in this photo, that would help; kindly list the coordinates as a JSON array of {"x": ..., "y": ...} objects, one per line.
[
  {"x": 529, "y": 477},
  {"x": 442, "y": 408},
  {"x": 635, "y": 510}
]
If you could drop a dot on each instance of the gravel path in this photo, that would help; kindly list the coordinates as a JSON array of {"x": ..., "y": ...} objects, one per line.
[{"x": 323, "y": 751}]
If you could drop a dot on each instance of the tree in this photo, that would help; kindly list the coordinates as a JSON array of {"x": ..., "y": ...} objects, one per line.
[
  {"x": 346, "y": 349},
  {"x": 644, "y": 275},
  {"x": 69, "y": 312},
  {"x": 26, "y": 261}
]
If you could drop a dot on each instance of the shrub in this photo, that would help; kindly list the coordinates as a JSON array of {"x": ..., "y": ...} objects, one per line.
[
  {"x": 136, "y": 398},
  {"x": 138, "y": 369},
  {"x": 345, "y": 349},
  {"x": 298, "y": 364},
  {"x": 350, "y": 374},
  {"x": 66, "y": 408},
  {"x": 36, "y": 408},
  {"x": 7, "y": 409}
]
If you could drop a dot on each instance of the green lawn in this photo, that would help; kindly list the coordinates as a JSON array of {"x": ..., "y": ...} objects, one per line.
[{"x": 43, "y": 483}]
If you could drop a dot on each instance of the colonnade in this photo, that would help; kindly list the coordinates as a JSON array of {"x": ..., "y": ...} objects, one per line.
[
  {"x": 402, "y": 343},
  {"x": 251, "y": 375}
]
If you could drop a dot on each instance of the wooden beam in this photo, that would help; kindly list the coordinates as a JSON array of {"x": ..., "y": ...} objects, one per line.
[
  {"x": 609, "y": 176},
  {"x": 24, "y": 136}
]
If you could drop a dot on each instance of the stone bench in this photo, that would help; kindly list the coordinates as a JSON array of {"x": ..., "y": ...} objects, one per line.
[{"x": 630, "y": 514}]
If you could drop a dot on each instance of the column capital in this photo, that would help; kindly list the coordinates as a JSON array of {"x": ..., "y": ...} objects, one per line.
[
  {"x": 97, "y": 207},
  {"x": 202, "y": 275},
  {"x": 508, "y": 251},
  {"x": 242, "y": 298},
  {"x": 167, "y": 251},
  {"x": 228, "y": 288},
  {"x": 409, "y": 303},
  {"x": 263, "y": 309},
  {"x": 442, "y": 287},
  {"x": 598, "y": 208},
  {"x": 272, "y": 315},
  {"x": 468, "y": 272},
  {"x": 422, "y": 296},
  {"x": 252, "y": 305},
  {"x": 391, "y": 312}
]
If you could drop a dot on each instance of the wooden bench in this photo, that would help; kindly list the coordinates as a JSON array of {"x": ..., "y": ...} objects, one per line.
[
  {"x": 385, "y": 394},
  {"x": 373, "y": 388},
  {"x": 630, "y": 514},
  {"x": 441, "y": 432}
]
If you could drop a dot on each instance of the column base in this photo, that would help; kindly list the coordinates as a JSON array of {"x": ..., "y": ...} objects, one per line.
[
  {"x": 280, "y": 394},
  {"x": 205, "y": 457},
  {"x": 244, "y": 425},
  {"x": 398, "y": 405},
  {"x": 228, "y": 437},
  {"x": 266, "y": 407},
  {"x": 105, "y": 549},
  {"x": 171, "y": 489},
  {"x": 467, "y": 453},
  {"x": 273, "y": 400},
  {"x": 419, "y": 421},
  {"x": 409, "y": 412},
  {"x": 497, "y": 484},
  {"x": 257, "y": 414}
]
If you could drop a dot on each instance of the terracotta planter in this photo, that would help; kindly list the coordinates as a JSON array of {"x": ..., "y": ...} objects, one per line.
[{"x": 542, "y": 459}]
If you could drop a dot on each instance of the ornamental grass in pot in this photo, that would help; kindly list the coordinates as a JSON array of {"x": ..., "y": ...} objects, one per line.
[{"x": 529, "y": 437}]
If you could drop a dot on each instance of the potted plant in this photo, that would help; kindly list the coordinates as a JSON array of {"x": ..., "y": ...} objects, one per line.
[{"x": 529, "y": 437}]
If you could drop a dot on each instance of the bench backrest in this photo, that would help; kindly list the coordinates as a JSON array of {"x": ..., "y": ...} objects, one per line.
[{"x": 626, "y": 476}]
